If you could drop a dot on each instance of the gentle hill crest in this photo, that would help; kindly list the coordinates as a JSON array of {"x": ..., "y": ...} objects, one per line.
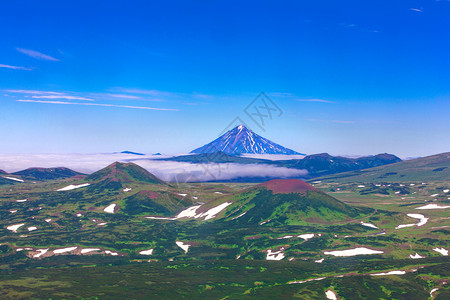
[
  {"x": 124, "y": 173},
  {"x": 42, "y": 174},
  {"x": 286, "y": 186}
]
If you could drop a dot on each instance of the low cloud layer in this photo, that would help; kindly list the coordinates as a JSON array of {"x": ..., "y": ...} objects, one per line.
[{"x": 166, "y": 170}]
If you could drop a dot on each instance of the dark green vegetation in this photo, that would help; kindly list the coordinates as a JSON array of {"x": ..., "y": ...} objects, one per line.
[
  {"x": 317, "y": 164},
  {"x": 113, "y": 278},
  {"x": 228, "y": 251}
]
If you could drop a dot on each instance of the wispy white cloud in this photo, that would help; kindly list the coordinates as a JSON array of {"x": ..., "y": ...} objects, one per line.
[
  {"x": 416, "y": 9},
  {"x": 15, "y": 67},
  {"x": 36, "y": 54},
  {"x": 123, "y": 96},
  {"x": 155, "y": 93},
  {"x": 96, "y": 104},
  {"x": 183, "y": 171},
  {"x": 62, "y": 97},
  {"x": 332, "y": 121},
  {"x": 34, "y": 92},
  {"x": 315, "y": 100}
]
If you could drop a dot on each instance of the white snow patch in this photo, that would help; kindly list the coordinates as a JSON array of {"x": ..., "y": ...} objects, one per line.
[
  {"x": 446, "y": 191},
  {"x": 79, "y": 215},
  {"x": 389, "y": 273},
  {"x": 146, "y": 252},
  {"x": 275, "y": 255},
  {"x": 361, "y": 186},
  {"x": 306, "y": 236},
  {"x": 405, "y": 225},
  {"x": 41, "y": 252},
  {"x": 111, "y": 253},
  {"x": 415, "y": 256},
  {"x": 353, "y": 252},
  {"x": 127, "y": 189},
  {"x": 23, "y": 200},
  {"x": 183, "y": 246},
  {"x": 239, "y": 215},
  {"x": 319, "y": 261},
  {"x": 102, "y": 224},
  {"x": 397, "y": 192},
  {"x": 422, "y": 219},
  {"x": 161, "y": 218},
  {"x": 441, "y": 251},
  {"x": 194, "y": 197},
  {"x": 13, "y": 211},
  {"x": 331, "y": 295},
  {"x": 434, "y": 195},
  {"x": 182, "y": 195},
  {"x": 110, "y": 208},
  {"x": 211, "y": 213},
  {"x": 14, "y": 228},
  {"x": 285, "y": 237},
  {"x": 264, "y": 222},
  {"x": 307, "y": 280},
  {"x": 433, "y": 290},
  {"x": 87, "y": 250},
  {"x": 433, "y": 206},
  {"x": 48, "y": 220},
  {"x": 72, "y": 187},
  {"x": 368, "y": 225},
  {"x": 64, "y": 250},
  {"x": 12, "y": 178},
  {"x": 189, "y": 212},
  {"x": 32, "y": 228},
  {"x": 220, "y": 193}
]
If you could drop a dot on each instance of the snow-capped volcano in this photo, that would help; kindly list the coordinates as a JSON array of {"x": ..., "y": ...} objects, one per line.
[{"x": 242, "y": 140}]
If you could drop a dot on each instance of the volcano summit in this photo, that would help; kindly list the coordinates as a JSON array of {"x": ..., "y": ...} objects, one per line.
[{"x": 241, "y": 140}]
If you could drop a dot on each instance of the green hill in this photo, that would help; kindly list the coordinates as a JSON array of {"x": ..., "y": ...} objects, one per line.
[
  {"x": 117, "y": 174},
  {"x": 430, "y": 168},
  {"x": 43, "y": 174},
  {"x": 283, "y": 202}
]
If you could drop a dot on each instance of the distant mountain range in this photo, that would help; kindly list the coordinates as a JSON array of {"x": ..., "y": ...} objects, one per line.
[
  {"x": 316, "y": 165},
  {"x": 242, "y": 140},
  {"x": 433, "y": 168}
]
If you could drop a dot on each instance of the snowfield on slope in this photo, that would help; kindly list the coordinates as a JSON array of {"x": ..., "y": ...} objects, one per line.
[
  {"x": 433, "y": 206},
  {"x": 14, "y": 228},
  {"x": 110, "y": 208},
  {"x": 146, "y": 252},
  {"x": 183, "y": 246},
  {"x": 353, "y": 252},
  {"x": 12, "y": 178},
  {"x": 191, "y": 212},
  {"x": 421, "y": 218},
  {"x": 275, "y": 255},
  {"x": 72, "y": 187}
]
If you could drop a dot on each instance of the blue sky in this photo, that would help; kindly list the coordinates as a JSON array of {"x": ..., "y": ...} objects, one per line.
[{"x": 350, "y": 77}]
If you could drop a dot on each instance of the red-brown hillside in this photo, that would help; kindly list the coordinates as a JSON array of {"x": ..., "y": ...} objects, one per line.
[{"x": 286, "y": 186}]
